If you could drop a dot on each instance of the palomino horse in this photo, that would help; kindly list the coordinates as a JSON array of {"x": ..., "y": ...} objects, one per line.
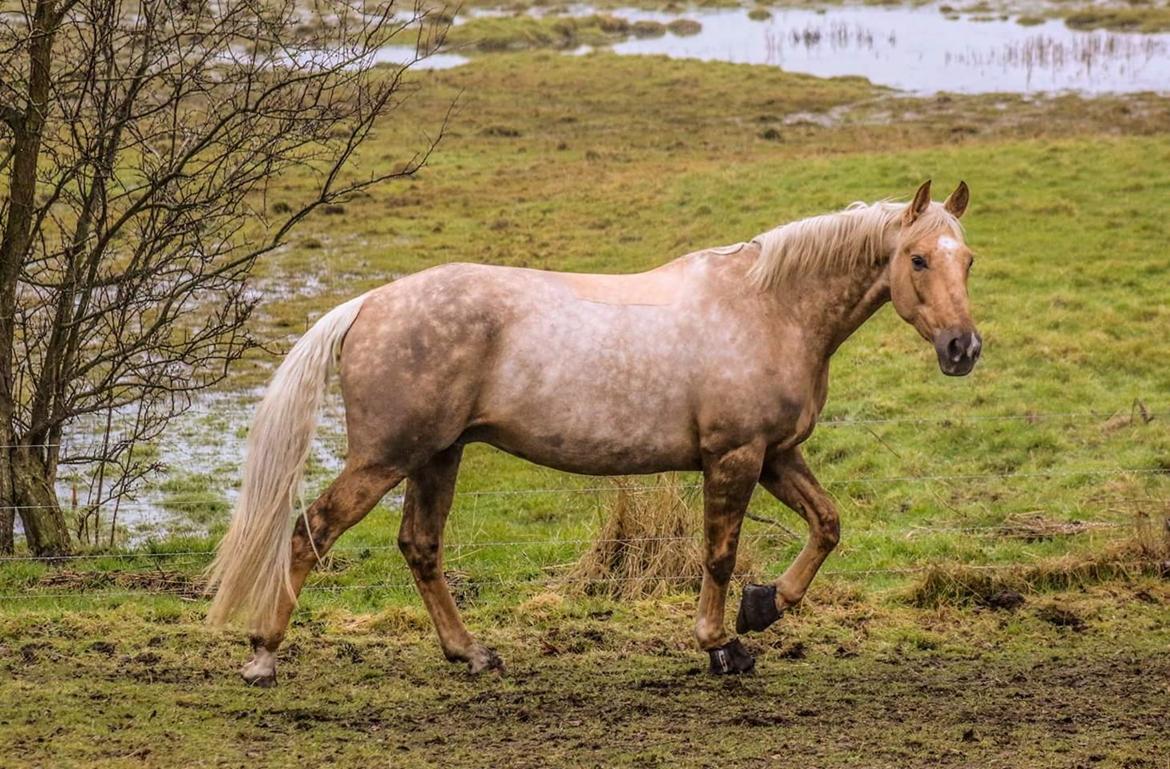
[{"x": 717, "y": 361}]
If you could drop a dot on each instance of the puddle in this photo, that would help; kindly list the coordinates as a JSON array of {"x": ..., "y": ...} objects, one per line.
[
  {"x": 921, "y": 51},
  {"x": 199, "y": 455},
  {"x": 386, "y": 56},
  {"x": 402, "y": 54}
]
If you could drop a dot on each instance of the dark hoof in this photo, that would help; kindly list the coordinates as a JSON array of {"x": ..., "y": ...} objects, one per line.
[
  {"x": 757, "y": 608},
  {"x": 731, "y": 659},
  {"x": 483, "y": 660}
]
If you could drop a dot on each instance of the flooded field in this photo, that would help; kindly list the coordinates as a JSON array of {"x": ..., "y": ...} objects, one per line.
[
  {"x": 198, "y": 461},
  {"x": 921, "y": 50}
]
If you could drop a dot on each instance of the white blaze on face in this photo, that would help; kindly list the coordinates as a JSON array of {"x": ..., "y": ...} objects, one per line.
[{"x": 949, "y": 245}]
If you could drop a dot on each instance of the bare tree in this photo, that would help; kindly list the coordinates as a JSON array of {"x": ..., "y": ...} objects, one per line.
[{"x": 139, "y": 139}]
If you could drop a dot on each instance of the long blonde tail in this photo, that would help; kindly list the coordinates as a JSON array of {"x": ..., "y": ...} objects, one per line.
[{"x": 251, "y": 567}]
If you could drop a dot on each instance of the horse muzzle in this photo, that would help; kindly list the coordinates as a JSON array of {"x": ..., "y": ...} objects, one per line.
[{"x": 957, "y": 350}]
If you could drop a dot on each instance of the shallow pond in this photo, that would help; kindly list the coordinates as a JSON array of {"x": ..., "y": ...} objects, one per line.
[
  {"x": 915, "y": 49},
  {"x": 922, "y": 51}
]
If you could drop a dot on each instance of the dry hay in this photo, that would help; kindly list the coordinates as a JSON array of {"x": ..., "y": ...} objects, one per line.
[
  {"x": 152, "y": 581},
  {"x": 649, "y": 543},
  {"x": 1145, "y": 553},
  {"x": 1034, "y": 527}
]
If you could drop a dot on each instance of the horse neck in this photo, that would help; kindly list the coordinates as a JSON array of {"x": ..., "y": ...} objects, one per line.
[{"x": 831, "y": 307}]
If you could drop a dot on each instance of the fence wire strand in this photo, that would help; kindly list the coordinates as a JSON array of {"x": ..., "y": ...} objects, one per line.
[
  {"x": 193, "y": 591},
  {"x": 918, "y": 530},
  {"x": 568, "y": 490}
]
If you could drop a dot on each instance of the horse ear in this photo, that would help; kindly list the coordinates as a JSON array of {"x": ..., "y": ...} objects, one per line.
[
  {"x": 917, "y": 206},
  {"x": 957, "y": 202}
]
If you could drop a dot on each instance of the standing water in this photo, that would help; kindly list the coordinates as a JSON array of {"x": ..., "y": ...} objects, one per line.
[{"x": 922, "y": 51}]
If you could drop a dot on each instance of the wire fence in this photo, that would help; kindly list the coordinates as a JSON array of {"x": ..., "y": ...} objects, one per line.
[
  {"x": 194, "y": 591},
  {"x": 955, "y": 414},
  {"x": 1020, "y": 530},
  {"x": 165, "y": 512},
  {"x": 94, "y": 584},
  {"x": 832, "y": 482}
]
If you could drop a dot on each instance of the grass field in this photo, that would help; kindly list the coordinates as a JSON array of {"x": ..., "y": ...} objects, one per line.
[
  {"x": 844, "y": 683},
  {"x": 605, "y": 163}
]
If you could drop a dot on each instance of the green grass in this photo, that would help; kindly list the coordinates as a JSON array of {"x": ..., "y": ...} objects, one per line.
[
  {"x": 549, "y": 165},
  {"x": 550, "y": 156},
  {"x": 1140, "y": 17},
  {"x": 605, "y": 163},
  {"x": 525, "y": 32}
]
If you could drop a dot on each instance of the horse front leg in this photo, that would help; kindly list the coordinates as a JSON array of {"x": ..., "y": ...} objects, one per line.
[
  {"x": 787, "y": 477},
  {"x": 728, "y": 481}
]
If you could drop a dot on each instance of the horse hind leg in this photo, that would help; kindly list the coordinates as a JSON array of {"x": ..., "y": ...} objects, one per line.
[
  {"x": 347, "y": 500},
  {"x": 429, "y": 494}
]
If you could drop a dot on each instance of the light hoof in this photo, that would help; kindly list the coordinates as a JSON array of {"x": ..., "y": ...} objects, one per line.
[
  {"x": 260, "y": 671},
  {"x": 267, "y": 681},
  {"x": 484, "y": 659},
  {"x": 731, "y": 659},
  {"x": 757, "y": 608}
]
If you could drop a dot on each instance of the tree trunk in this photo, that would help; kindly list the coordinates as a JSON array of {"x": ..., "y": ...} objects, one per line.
[
  {"x": 7, "y": 520},
  {"x": 35, "y": 498},
  {"x": 20, "y": 485},
  {"x": 7, "y": 500}
]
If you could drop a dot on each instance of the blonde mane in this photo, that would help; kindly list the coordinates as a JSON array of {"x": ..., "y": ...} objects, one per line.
[{"x": 840, "y": 241}]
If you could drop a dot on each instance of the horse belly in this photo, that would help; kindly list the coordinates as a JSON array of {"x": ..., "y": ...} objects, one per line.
[
  {"x": 552, "y": 445},
  {"x": 592, "y": 424}
]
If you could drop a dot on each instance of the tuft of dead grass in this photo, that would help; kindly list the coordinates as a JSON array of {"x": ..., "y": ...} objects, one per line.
[
  {"x": 649, "y": 544},
  {"x": 1145, "y": 553},
  {"x": 153, "y": 581},
  {"x": 1033, "y": 527}
]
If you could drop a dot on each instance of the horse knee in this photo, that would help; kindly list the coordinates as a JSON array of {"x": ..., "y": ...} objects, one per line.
[
  {"x": 720, "y": 566},
  {"x": 422, "y": 555}
]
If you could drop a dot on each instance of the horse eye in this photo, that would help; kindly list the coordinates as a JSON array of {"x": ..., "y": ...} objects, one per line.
[{"x": 919, "y": 262}]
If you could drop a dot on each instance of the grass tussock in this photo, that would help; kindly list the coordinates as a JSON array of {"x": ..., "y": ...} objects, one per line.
[
  {"x": 1145, "y": 553},
  {"x": 528, "y": 32},
  {"x": 1148, "y": 19},
  {"x": 684, "y": 27},
  {"x": 1034, "y": 527},
  {"x": 153, "y": 581},
  {"x": 649, "y": 544}
]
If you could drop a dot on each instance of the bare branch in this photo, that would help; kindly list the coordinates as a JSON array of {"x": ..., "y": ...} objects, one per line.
[{"x": 159, "y": 126}]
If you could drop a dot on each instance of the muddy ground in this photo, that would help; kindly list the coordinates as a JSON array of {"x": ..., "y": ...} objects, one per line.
[{"x": 1073, "y": 680}]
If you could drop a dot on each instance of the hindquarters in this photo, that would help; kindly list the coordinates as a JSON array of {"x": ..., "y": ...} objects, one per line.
[{"x": 414, "y": 363}]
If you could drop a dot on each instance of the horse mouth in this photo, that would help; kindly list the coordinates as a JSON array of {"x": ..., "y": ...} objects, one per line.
[
  {"x": 958, "y": 351},
  {"x": 960, "y": 368}
]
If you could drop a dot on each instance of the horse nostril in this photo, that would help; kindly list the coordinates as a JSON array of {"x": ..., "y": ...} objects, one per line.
[{"x": 955, "y": 349}]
